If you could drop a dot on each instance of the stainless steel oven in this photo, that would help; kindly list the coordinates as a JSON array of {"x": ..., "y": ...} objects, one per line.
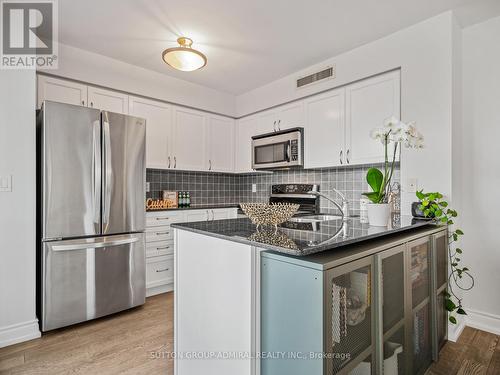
[{"x": 278, "y": 150}]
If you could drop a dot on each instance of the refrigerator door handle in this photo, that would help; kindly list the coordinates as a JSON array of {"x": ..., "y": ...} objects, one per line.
[
  {"x": 108, "y": 171},
  {"x": 96, "y": 172},
  {"x": 94, "y": 245}
]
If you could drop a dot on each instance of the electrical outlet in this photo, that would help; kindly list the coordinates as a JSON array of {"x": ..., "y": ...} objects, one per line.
[
  {"x": 254, "y": 188},
  {"x": 148, "y": 187},
  {"x": 6, "y": 183},
  {"x": 411, "y": 185}
]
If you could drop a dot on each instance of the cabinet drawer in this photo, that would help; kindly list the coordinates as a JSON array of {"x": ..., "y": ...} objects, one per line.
[
  {"x": 159, "y": 271},
  {"x": 155, "y": 234},
  {"x": 154, "y": 249},
  {"x": 157, "y": 219}
]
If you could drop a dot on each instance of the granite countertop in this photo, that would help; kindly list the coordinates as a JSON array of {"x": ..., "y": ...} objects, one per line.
[
  {"x": 290, "y": 238},
  {"x": 199, "y": 207}
]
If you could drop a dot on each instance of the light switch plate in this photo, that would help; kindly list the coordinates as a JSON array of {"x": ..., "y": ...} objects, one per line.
[
  {"x": 6, "y": 183},
  {"x": 411, "y": 186},
  {"x": 148, "y": 187},
  {"x": 254, "y": 188}
]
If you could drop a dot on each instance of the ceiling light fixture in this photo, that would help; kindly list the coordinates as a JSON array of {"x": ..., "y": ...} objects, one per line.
[{"x": 184, "y": 57}]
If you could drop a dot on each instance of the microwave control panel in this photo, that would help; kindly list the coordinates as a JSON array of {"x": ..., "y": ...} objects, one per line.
[{"x": 294, "y": 147}]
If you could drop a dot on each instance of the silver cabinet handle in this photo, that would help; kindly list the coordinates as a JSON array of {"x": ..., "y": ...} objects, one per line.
[
  {"x": 274, "y": 125},
  {"x": 162, "y": 233},
  {"x": 279, "y": 123},
  {"x": 210, "y": 165},
  {"x": 175, "y": 162},
  {"x": 163, "y": 248},
  {"x": 83, "y": 102},
  {"x": 163, "y": 270},
  {"x": 347, "y": 156},
  {"x": 169, "y": 162},
  {"x": 92, "y": 104},
  {"x": 340, "y": 157},
  {"x": 213, "y": 215},
  {"x": 208, "y": 216},
  {"x": 162, "y": 218}
]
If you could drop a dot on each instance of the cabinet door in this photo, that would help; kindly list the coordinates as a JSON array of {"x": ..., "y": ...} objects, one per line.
[
  {"x": 108, "y": 100},
  {"x": 246, "y": 128},
  {"x": 324, "y": 130},
  {"x": 368, "y": 104},
  {"x": 267, "y": 122},
  {"x": 60, "y": 90},
  {"x": 439, "y": 288},
  {"x": 220, "y": 144},
  {"x": 290, "y": 116},
  {"x": 419, "y": 302},
  {"x": 220, "y": 214},
  {"x": 392, "y": 334},
  {"x": 349, "y": 315},
  {"x": 197, "y": 215},
  {"x": 189, "y": 141},
  {"x": 158, "y": 130}
]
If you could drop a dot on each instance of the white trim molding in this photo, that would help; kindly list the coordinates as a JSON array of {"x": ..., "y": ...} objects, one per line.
[
  {"x": 455, "y": 330},
  {"x": 19, "y": 332},
  {"x": 484, "y": 321}
]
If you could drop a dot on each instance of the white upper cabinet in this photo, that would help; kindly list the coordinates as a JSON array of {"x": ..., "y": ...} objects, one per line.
[
  {"x": 246, "y": 128},
  {"x": 220, "y": 144},
  {"x": 189, "y": 140},
  {"x": 61, "y": 90},
  {"x": 158, "y": 117},
  {"x": 324, "y": 129},
  {"x": 368, "y": 104},
  {"x": 267, "y": 122},
  {"x": 290, "y": 116},
  {"x": 107, "y": 100}
]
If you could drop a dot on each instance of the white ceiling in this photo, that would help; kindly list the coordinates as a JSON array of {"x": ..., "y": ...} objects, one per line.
[{"x": 248, "y": 42}]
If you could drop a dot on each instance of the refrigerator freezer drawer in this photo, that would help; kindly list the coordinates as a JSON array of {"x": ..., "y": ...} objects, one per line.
[{"x": 88, "y": 278}]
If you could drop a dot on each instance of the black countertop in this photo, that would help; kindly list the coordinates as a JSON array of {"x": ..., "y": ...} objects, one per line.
[
  {"x": 326, "y": 236},
  {"x": 198, "y": 207}
]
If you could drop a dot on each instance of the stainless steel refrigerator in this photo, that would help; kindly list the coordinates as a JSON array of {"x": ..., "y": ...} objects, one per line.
[{"x": 91, "y": 216}]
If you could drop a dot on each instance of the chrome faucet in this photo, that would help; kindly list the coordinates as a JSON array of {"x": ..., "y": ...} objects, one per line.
[{"x": 344, "y": 209}]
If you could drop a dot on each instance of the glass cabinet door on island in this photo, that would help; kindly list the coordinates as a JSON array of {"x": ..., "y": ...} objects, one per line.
[
  {"x": 419, "y": 323},
  {"x": 349, "y": 312},
  {"x": 391, "y": 305},
  {"x": 439, "y": 288}
]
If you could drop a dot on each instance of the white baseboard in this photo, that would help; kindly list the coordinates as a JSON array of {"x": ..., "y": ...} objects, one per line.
[
  {"x": 159, "y": 289},
  {"x": 20, "y": 332},
  {"x": 455, "y": 330},
  {"x": 483, "y": 321}
]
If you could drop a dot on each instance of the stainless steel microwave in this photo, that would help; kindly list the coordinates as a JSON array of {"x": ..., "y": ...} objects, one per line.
[{"x": 278, "y": 150}]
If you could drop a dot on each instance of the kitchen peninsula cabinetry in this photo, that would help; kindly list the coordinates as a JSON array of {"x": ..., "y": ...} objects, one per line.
[{"x": 379, "y": 314}]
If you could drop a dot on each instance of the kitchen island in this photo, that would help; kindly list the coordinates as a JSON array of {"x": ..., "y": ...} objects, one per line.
[{"x": 254, "y": 301}]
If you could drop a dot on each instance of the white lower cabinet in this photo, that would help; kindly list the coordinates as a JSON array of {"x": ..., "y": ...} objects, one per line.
[{"x": 160, "y": 243}]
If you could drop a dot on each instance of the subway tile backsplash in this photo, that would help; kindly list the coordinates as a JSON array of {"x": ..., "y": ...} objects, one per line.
[{"x": 220, "y": 188}]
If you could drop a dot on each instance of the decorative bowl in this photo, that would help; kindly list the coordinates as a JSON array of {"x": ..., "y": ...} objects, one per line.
[{"x": 269, "y": 214}]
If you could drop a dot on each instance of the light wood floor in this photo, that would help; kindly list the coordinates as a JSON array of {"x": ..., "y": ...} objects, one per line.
[
  {"x": 124, "y": 343},
  {"x": 120, "y": 344}
]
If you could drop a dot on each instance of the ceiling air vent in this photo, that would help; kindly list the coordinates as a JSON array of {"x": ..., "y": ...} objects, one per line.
[{"x": 315, "y": 77}]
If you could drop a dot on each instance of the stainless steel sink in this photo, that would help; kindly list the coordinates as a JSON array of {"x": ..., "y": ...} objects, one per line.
[{"x": 314, "y": 218}]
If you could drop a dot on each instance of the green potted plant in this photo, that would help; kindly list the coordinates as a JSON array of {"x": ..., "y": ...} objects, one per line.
[{"x": 395, "y": 133}]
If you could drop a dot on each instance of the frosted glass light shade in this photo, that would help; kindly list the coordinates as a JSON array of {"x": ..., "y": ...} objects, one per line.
[{"x": 184, "y": 57}]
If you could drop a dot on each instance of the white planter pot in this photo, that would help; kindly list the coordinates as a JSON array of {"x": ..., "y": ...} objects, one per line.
[{"x": 379, "y": 214}]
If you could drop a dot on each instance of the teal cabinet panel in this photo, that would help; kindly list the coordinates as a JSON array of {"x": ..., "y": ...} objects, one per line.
[{"x": 291, "y": 319}]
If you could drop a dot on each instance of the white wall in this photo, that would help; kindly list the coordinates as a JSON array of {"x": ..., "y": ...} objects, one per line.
[
  {"x": 90, "y": 67},
  {"x": 17, "y": 208},
  {"x": 424, "y": 54},
  {"x": 481, "y": 170}
]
